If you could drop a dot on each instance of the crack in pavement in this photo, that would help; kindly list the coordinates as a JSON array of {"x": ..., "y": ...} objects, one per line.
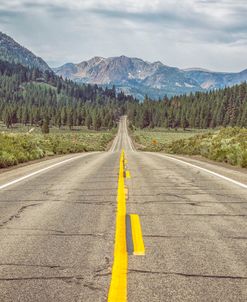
[
  {"x": 53, "y": 232},
  {"x": 99, "y": 181},
  {"x": 176, "y": 195},
  {"x": 104, "y": 267},
  {"x": 31, "y": 200},
  {"x": 165, "y": 236},
  {"x": 103, "y": 275},
  {"x": 172, "y": 195},
  {"x": 62, "y": 235},
  {"x": 101, "y": 203},
  {"x": 238, "y": 238},
  {"x": 216, "y": 215},
  {"x": 33, "y": 229},
  {"x": 63, "y": 278},
  {"x": 181, "y": 214},
  {"x": 95, "y": 195},
  {"x": 91, "y": 286},
  {"x": 33, "y": 265},
  {"x": 156, "y": 201},
  {"x": 80, "y": 235},
  {"x": 196, "y": 204},
  {"x": 198, "y": 237},
  {"x": 187, "y": 275},
  {"x": 18, "y": 214},
  {"x": 91, "y": 189},
  {"x": 188, "y": 203}
]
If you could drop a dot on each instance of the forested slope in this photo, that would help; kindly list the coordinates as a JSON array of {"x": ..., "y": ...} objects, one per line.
[
  {"x": 11, "y": 51},
  {"x": 225, "y": 107},
  {"x": 35, "y": 97}
]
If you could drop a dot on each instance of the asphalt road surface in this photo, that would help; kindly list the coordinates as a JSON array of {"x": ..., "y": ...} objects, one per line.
[{"x": 57, "y": 228}]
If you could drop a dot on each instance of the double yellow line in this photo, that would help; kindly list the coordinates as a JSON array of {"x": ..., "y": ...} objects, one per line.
[{"x": 118, "y": 286}]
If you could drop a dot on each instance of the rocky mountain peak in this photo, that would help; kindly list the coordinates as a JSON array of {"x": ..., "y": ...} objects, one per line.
[{"x": 139, "y": 77}]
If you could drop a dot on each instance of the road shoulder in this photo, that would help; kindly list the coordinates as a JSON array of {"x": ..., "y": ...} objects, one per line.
[{"x": 235, "y": 173}]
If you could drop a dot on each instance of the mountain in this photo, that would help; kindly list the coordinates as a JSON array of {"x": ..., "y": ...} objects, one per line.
[
  {"x": 138, "y": 77},
  {"x": 13, "y": 52},
  {"x": 216, "y": 80}
]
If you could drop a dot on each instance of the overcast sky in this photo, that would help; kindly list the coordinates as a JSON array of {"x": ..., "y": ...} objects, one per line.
[{"x": 183, "y": 33}]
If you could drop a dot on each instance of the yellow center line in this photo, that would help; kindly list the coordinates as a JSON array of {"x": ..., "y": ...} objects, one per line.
[
  {"x": 118, "y": 286},
  {"x": 128, "y": 176},
  {"x": 138, "y": 243}
]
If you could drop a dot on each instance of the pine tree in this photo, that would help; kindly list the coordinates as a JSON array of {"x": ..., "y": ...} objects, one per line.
[{"x": 96, "y": 121}]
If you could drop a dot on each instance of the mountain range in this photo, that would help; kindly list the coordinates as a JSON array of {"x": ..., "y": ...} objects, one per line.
[
  {"x": 138, "y": 77},
  {"x": 131, "y": 75},
  {"x": 13, "y": 52}
]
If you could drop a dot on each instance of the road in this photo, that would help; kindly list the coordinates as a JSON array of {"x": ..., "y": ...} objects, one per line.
[{"x": 57, "y": 228}]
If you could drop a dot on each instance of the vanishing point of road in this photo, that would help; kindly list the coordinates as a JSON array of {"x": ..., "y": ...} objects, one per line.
[{"x": 59, "y": 240}]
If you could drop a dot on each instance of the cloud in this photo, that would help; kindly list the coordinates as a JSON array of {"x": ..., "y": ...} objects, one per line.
[{"x": 75, "y": 30}]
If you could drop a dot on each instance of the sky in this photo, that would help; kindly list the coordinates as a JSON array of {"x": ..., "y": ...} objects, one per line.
[{"x": 210, "y": 34}]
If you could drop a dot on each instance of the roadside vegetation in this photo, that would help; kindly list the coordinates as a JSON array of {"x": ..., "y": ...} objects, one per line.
[
  {"x": 158, "y": 139},
  {"x": 18, "y": 148},
  {"x": 227, "y": 145}
]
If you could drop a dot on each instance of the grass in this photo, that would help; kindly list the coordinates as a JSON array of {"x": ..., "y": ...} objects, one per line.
[
  {"x": 227, "y": 145},
  {"x": 17, "y": 148},
  {"x": 158, "y": 138}
]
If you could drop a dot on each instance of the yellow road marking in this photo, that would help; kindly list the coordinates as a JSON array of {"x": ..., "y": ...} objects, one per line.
[
  {"x": 128, "y": 176},
  {"x": 138, "y": 243},
  {"x": 118, "y": 286}
]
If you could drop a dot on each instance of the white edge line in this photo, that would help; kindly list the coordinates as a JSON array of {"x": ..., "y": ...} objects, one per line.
[
  {"x": 114, "y": 143},
  {"x": 113, "y": 146},
  {"x": 130, "y": 143},
  {"x": 41, "y": 170},
  {"x": 128, "y": 137},
  {"x": 202, "y": 169}
]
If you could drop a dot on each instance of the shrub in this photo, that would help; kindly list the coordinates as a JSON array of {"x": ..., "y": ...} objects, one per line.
[
  {"x": 7, "y": 159},
  {"x": 19, "y": 148},
  {"x": 226, "y": 145}
]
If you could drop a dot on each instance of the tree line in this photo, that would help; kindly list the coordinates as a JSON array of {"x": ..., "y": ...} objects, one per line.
[{"x": 224, "y": 107}]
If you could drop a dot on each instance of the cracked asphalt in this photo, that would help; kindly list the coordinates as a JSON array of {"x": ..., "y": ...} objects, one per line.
[{"x": 57, "y": 229}]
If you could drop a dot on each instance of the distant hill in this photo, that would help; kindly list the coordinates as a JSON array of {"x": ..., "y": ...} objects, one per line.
[
  {"x": 13, "y": 52},
  {"x": 137, "y": 77}
]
